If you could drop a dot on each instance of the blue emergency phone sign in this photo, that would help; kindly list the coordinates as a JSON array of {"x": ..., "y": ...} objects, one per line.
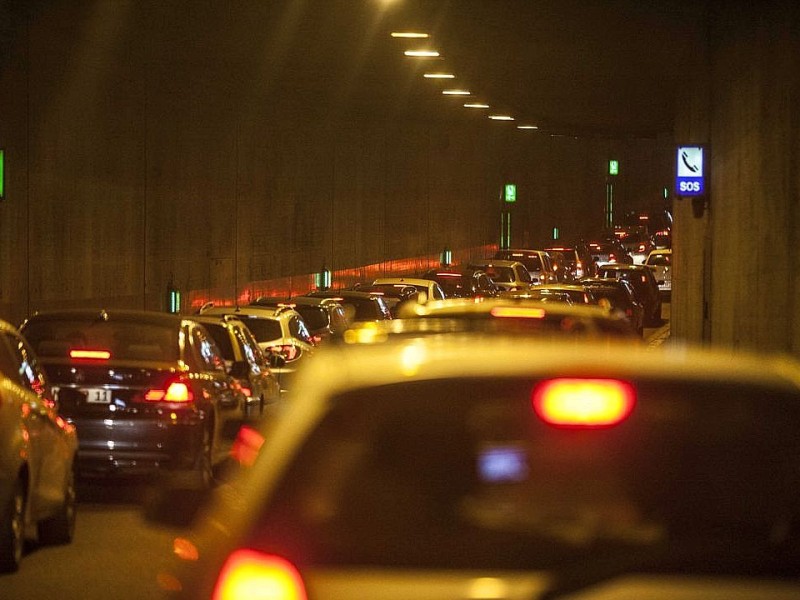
[{"x": 690, "y": 171}]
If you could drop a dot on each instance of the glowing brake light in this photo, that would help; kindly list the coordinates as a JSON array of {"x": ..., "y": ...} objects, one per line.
[
  {"x": 177, "y": 391},
  {"x": 583, "y": 402},
  {"x": 256, "y": 576},
  {"x": 90, "y": 354},
  {"x": 519, "y": 313}
]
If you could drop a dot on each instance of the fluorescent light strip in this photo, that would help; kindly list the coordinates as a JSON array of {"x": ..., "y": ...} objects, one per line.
[
  {"x": 501, "y": 118},
  {"x": 439, "y": 76},
  {"x": 409, "y": 34},
  {"x": 455, "y": 93},
  {"x": 527, "y": 127},
  {"x": 475, "y": 105},
  {"x": 422, "y": 53}
]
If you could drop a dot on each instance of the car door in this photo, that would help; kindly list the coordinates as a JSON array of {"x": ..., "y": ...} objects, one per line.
[{"x": 49, "y": 451}]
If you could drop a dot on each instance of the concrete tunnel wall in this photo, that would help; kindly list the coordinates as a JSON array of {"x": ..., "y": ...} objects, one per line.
[{"x": 736, "y": 275}]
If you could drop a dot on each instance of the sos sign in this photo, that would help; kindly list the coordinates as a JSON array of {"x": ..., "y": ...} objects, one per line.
[{"x": 690, "y": 172}]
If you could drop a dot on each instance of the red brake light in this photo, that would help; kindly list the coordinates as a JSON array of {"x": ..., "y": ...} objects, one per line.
[
  {"x": 177, "y": 391},
  {"x": 583, "y": 402},
  {"x": 251, "y": 574},
  {"x": 518, "y": 313},
  {"x": 90, "y": 354}
]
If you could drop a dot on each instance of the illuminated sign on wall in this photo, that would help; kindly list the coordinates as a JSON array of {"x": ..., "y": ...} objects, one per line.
[{"x": 690, "y": 171}]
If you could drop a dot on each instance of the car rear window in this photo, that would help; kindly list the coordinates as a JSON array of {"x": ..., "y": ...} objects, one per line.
[
  {"x": 222, "y": 338},
  {"x": 501, "y": 274},
  {"x": 264, "y": 329},
  {"x": 125, "y": 340},
  {"x": 659, "y": 260},
  {"x": 477, "y": 479}
]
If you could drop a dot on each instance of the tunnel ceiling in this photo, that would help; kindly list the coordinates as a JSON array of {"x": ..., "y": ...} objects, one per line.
[{"x": 568, "y": 66}]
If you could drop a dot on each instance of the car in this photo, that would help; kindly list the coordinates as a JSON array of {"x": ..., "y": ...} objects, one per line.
[
  {"x": 246, "y": 362},
  {"x": 429, "y": 287},
  {"x": 463, "y": 282},
  {"x": 524, "y": 316},
  {"x": 324, "y": 317},
  {"x": 609, "y": 250},
  {"x": 636, "y": 241},
  {"x": 537, "y": 262},
  {"x": 662, "y": 239},
  {"x": 358, "y": 306},
  {"x": 661, "y": 263},
  {"x": 576, "y": 260},
  {"x": 147, "y": 391},
  {"x": 394, "y": 295},
  {"x": 409, "y": 469},
  {"x": 619, "y": 296},
  {"x": 576, "y": 293},
  {"x": 37, "y": 455},
  {"x": 507, "y": 275},
  {"x": 279, "y": 330},
  {"x": 643, "y": 281}
]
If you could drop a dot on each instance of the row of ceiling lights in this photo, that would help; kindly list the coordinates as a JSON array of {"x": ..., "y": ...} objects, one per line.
[{"x": 425, "y": 53}]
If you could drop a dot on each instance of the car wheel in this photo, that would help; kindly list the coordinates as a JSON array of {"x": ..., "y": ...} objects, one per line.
[
  {"x": 12, "y": 530},
  {"x": 60, "y": 528}
]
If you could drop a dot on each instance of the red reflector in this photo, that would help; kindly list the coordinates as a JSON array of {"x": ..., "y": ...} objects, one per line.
[
  {"x": 519, "y": 313},
  {"x": 583, "y": 402},
  {"x": 177, "y": 391},
  {"x": 252, "y": 575},
  {"x": 90, "y": 354}
]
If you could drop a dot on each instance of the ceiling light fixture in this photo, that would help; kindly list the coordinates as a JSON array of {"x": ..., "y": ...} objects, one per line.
[
  {"x": 501, "y": 118},
  {"x": 456, "y": 92},
  {"x": 422, "y": 53},
  {"x": 527, "y": 127},
  {"x": 439, "y": 76},
  {"x": 476, "y": 105},
  {"x": 409, "y": 34}
]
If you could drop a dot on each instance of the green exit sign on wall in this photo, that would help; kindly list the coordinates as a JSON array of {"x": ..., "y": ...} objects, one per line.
[{"x": 510, "y": 194}]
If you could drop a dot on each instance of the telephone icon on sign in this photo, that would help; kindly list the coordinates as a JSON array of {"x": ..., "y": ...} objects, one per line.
[{"x": 685, "y": 159}]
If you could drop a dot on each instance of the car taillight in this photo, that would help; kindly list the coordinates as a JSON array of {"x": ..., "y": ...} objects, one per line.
[
  {"x": 251, "y": 575},
  {"x": 90, "y": 354},
  {"x": 176, "y": 391},
  {"x": 588, "y": 403},
  {"x": 517, "y": 313}
]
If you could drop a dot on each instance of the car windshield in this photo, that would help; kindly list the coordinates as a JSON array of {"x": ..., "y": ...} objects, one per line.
[
  {"x": 124, "y": 340},
  {"x": 482, "y": 482}
]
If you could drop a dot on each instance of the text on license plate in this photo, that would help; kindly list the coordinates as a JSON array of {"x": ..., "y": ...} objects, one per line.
[{"x": 97, "y": 395}]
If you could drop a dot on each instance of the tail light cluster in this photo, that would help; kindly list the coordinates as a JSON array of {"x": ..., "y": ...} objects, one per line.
[
  {"x": 175, "y": 390},
  {"x": 248, "y": 574},
  {"x": 583, "y": 403}
]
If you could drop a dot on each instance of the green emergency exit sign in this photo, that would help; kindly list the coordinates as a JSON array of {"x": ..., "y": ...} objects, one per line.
[
  {"x": 613, "y": 167},
  {"x": 510, "y": 194}
]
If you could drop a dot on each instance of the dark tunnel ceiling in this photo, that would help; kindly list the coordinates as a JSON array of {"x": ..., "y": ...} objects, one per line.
[{"x": 574, "y": 67}]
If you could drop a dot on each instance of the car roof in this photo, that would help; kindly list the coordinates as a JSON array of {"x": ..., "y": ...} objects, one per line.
[
  {"x": 498, "y": 262},
  {"x": 264, "y": 312},
  {"x": 468, "y": 306},
  {"x": 442, "y": 357},
  {"x": 102, "y": 314},
  {"x": 405, "y": 280}
]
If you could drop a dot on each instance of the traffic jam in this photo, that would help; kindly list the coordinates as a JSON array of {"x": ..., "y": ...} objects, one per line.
[{"x": 491, "y": 429}]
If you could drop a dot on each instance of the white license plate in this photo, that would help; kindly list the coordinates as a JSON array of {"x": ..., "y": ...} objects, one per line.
[{"x": 97, "y": 395}]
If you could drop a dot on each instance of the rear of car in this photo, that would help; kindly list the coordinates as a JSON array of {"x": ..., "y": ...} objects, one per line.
[
  {"x": 37, "y": 454},
  {"x": 661, "y": 263},
  {"x": 618, "y": 295},
  {"x": 537, "y": 262},
  {"x": 539, "y": 471},
  {"x": 576, "y": 262},
  {"x": 428, "y": 287},
  {"x": 358, "y": 306},
  {"x": 279, "y": 330},
  {"x": 644, "y": 285},
  {"x": 463, "y": 282},
  {"x": 148, "y": 392},
  {"x": 507, "y": 275}
]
